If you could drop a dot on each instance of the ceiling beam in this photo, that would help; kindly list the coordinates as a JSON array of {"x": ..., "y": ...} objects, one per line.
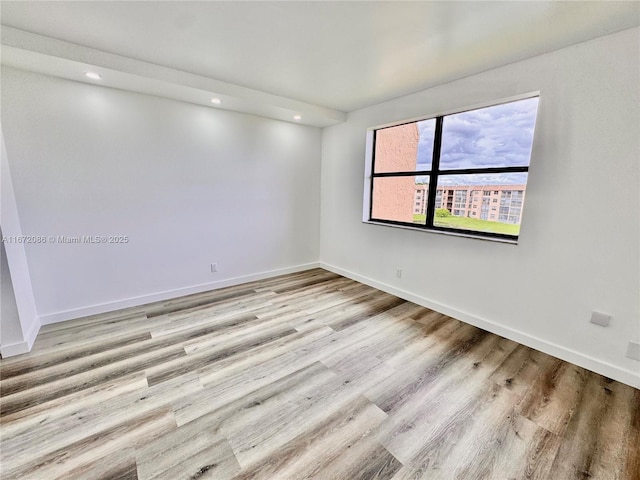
[{"x": 41, "y": 54}]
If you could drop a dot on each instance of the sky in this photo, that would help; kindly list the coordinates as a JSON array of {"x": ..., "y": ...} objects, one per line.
[
  {"x": 484, "y": 179},
  {"x": 489, "y": 137}
]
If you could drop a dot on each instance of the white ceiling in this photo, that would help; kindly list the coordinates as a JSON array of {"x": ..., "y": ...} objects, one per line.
[{"x": 338, "y": 55}]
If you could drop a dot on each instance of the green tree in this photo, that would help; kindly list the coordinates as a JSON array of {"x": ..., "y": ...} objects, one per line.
[{"x": 442, "y": 212}]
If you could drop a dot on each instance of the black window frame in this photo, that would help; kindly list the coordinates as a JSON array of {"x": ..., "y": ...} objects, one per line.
[{"x": 436, "y": 172}]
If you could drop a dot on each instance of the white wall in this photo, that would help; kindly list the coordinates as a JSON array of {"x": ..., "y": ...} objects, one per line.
[
  {"x": 579, "y": 243},
  {"x": 19, "y": 320},
  {"x": 10, "y": 331},
  {"x": 189, "y": 185}
]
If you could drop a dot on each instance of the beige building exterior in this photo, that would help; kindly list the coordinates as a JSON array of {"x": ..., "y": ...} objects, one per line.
[{"x": 496, "y": 203}]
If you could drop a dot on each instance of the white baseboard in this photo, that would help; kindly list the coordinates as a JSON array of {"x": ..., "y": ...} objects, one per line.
[
  {"x": 25, "y": 346},
  {"x": 33, "y": 332},
  {"x": 14, "y": 349},
  {"x": 167, "y": 294},
  {"x": 620, "y": 374}
]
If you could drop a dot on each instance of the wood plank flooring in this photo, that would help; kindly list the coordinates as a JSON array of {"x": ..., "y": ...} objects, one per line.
[{"x": 308, "y": 375}]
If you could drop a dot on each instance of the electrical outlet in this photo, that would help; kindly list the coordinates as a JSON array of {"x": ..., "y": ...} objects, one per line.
[
  {"x": 633, "y": 350},
  {"x": 399, "y": 273},
  {"x": 601, "y": 319},
  {"x": 214, "y": 267}
]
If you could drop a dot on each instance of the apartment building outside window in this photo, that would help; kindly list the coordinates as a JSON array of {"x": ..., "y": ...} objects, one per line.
[{"x": 463, "y": 172}]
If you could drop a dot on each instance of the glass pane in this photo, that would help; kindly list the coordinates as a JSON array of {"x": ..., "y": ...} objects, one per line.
[
  {"x": 481, "y": 202},
  {"x": 405, "y": 148},
  {"x": 499, "y": 136},
  {"x": 401, "y": 199}
]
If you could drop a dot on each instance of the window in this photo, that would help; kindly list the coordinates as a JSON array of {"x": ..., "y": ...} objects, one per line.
[{"x": 454, "y": 160}]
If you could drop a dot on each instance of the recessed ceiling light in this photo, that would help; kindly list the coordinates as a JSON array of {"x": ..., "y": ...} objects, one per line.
[
  {"x": 297, "y": 117},
  {"x": 93, "y": 75},
  {"x": 216, "y": 101}
]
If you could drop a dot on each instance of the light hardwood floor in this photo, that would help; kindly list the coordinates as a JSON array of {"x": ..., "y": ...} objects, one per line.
[{"x": 309, "y": 375}]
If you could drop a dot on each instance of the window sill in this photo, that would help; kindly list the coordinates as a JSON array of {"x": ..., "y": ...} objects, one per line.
[{"x": 441, "y": 232}]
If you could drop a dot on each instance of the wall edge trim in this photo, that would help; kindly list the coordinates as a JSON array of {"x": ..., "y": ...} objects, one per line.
[
  {"x": 25, "y": 346},
  {"x": 614, "y": 372},
  {"x": 61, "y": 316}
]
